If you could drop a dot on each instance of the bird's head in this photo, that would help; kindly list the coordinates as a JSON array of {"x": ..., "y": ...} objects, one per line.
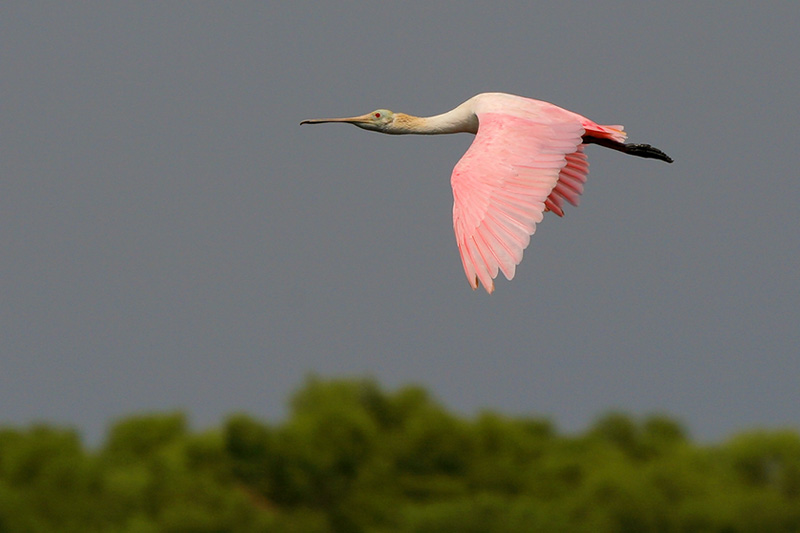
[{"x": 379, "y": 120}]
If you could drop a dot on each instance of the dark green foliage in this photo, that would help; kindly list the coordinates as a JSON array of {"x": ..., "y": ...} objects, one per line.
[{"x": 354, "y": 458}]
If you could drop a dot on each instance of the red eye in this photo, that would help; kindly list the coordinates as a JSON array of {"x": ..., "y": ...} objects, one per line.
[{"x": 377, "y": 115}]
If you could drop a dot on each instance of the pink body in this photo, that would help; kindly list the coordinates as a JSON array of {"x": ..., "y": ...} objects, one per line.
[{"x": 527, "y": 158}]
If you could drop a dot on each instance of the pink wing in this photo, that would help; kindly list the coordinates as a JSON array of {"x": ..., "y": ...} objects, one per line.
[
  {"x": 570, "y": 183},
  {"x": 519, "y": 166}
]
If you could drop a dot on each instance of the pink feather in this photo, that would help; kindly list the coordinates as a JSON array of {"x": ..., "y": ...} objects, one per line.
[{"x": 527, "y": 158}]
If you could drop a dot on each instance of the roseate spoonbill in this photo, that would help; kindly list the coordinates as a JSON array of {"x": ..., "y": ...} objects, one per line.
[{"x": 527, "y": 158}]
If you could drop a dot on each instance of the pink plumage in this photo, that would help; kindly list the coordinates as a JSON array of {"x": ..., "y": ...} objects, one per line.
[{"x": 527, "y": 158}]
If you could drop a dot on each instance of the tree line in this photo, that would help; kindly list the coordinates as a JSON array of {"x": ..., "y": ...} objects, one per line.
[{"x": 352, "y": 457}]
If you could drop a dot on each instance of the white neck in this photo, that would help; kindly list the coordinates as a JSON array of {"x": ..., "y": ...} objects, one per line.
[{"x": 460, "y": 119}]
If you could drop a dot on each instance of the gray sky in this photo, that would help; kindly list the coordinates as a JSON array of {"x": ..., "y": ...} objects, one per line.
[{"x": 172, "y": 239}]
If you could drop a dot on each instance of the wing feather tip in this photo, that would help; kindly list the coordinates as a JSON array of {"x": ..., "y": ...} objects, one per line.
[{"x": 489, "y": 288}]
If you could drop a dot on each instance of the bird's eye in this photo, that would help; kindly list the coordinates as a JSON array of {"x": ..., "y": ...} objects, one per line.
[{"x": 377, "y": 115}]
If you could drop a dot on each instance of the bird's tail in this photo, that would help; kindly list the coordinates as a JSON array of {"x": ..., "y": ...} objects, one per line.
[
  {"x": 614, "y": 137},
  {"x": 615, "y": 133}
]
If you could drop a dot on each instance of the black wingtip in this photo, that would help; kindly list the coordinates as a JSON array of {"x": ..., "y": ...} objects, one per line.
[
  {"x": 647, "y": 151},
  {"x": 639, "y": 150}
]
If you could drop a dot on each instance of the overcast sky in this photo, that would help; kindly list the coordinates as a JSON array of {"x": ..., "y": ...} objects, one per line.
[{"x": 171, "y": 238}]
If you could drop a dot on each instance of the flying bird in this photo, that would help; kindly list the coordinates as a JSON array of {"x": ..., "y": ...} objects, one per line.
[{"x": 527, "y": 158}]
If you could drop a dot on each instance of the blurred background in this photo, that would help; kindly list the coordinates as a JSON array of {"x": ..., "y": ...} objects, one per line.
[{"x": 173, "y": 240}]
